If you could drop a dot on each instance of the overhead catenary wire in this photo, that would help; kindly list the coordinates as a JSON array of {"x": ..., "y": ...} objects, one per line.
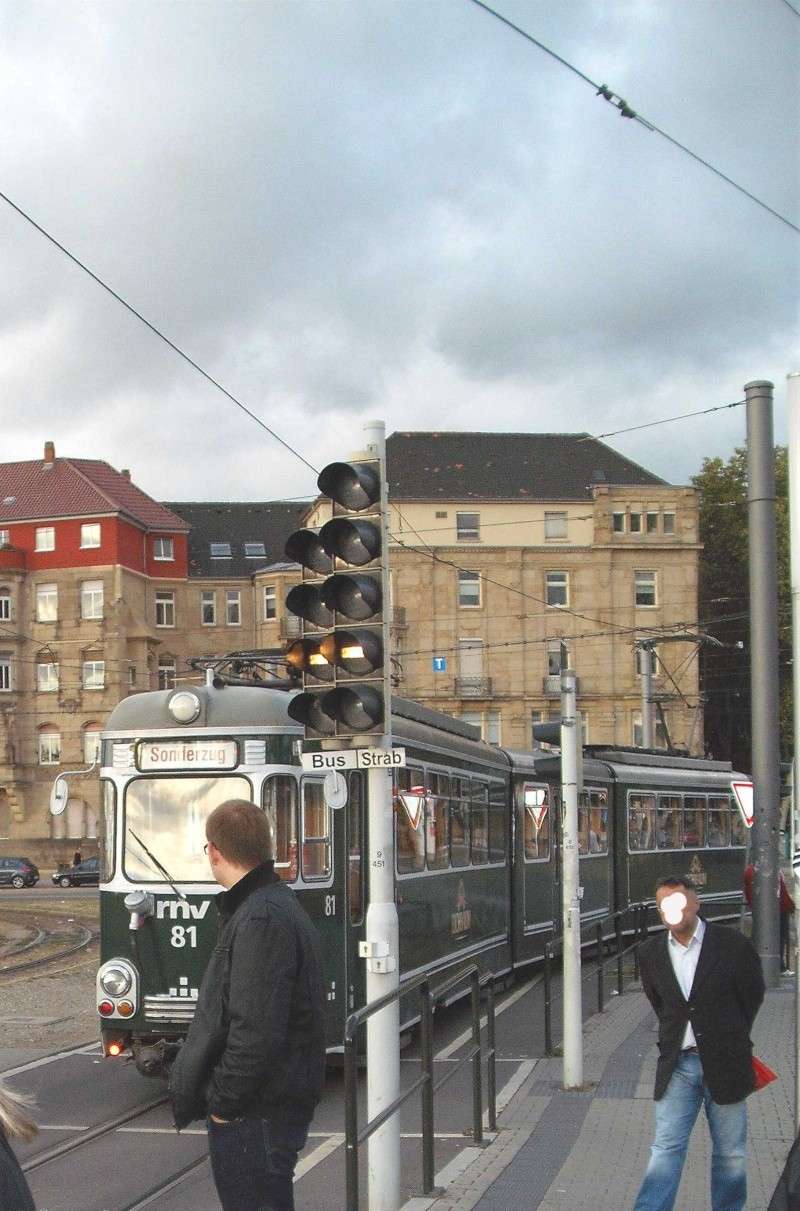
[
  {"x": 666, "y": 420},
  {"x": 626, "y": 111}
]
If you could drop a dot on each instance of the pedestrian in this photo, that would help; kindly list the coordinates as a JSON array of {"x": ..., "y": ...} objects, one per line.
[
  {"x": 785, "y": 908},
  {"x": 253, "y": 1062},
  {"x": 15, "y": 1124},
  {"x": 705, "y": 984},
  {"x": 76, "y": 857}
]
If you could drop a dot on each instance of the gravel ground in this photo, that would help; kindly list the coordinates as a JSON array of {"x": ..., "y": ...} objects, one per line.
[{"x": 51, "y": 1007}]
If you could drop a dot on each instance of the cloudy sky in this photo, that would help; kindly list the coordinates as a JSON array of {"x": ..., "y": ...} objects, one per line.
[{"x": 347, "y": 210}]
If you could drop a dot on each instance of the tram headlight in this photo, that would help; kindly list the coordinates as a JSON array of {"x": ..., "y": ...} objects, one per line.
[
  {"x": 115, "y": 981},
  {"x": 184, "y": 706}
]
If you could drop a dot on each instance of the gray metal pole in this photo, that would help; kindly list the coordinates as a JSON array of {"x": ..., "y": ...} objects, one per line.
[
  {"x": 382, "y": 949},
  {"x": 646, "y": 665},
  {"x": 764, "y": 675},
  {"x": 793, "y": 386},
  {"x": 570, "y": 889}
]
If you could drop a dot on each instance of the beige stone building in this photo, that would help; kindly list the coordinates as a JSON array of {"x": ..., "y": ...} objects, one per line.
[{"x": 503, "y": 545}]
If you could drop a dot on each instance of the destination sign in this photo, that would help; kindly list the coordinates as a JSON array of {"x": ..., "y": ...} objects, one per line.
[
  {"x": 188, "y": 754},
  {"x": 354, "y": 758}
]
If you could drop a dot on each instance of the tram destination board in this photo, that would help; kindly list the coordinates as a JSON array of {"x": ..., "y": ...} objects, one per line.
[
  {"x": 354, "y": 758},
  {"x": 183, "y": 754}
]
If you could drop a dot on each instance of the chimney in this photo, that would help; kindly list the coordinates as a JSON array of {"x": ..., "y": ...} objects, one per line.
[
  {"x": 125, "y": 472},
  {"x": 49, "y": 452}
]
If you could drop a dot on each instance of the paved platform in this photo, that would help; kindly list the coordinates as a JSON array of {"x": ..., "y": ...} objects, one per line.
[{"x": 557, "y": 1151}]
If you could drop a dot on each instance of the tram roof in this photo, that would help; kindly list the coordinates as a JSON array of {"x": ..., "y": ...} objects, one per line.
[{"x": 228, "y": 706}]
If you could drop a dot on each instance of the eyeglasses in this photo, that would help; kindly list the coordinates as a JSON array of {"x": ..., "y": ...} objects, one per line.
[{"x": 205, "y": 848}]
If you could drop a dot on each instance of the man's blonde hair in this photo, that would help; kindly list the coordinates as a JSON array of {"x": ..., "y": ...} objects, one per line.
[{"x": 14, "y": 1119}]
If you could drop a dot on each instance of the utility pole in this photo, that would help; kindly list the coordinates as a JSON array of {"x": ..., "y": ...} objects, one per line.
[
  {"x": 793, "y": 383},
  {"x": 646, "y": 658},
  {"x": 570, "y": 882},
  {"x": 765, "y": 715}
]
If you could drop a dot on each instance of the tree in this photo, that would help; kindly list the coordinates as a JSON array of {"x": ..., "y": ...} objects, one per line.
[{"x": 724, "y": 605}]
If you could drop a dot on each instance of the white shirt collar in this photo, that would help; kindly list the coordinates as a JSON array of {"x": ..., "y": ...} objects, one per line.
[{"x": 697, "y": 936}]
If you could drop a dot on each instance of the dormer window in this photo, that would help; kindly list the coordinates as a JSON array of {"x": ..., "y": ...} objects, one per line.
[
  {"x": 220, "y": 550},
  {"x": 255, "y": 550},
  {"x": 163, "y": 548}
]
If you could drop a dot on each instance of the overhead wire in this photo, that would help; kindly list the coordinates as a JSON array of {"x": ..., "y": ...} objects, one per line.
[{"x": 626, "y": 111}]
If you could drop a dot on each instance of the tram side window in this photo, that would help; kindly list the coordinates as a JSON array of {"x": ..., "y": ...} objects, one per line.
[
  {"x": 108, "y": 819},
  {"x": 593, "y": 822},
  {"x": 583, "y": 823},
  {"x": 719, "y": 819},
  {"x": 641, "y": 822},
  {"x": 355, "y": 824},
  {"x": 669, "y": 833},
  {"x": 536, "y": 826},
  {"x": 316, "y": 832},
  {"x": 459, "y": 822},
  {"x": 280, "y": 804},
  {"x": 437, "y": 824},
  {"x": 479, "y": 820},
  {"x": 738, "y": 829},
  {"x": 498, "y": 822},
  {"x": 409, "y": 816},
  {"x": 694, "y": 821}
]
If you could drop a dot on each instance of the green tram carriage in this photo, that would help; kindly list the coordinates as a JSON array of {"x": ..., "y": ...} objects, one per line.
[{"x": 476, "y": 840}]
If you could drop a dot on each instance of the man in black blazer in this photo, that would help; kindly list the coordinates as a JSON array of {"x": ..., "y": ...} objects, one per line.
[{"x": 705, "y": 984}]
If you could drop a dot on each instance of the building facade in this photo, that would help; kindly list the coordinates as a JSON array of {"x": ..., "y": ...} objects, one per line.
[{"x": 502, "y": 547}]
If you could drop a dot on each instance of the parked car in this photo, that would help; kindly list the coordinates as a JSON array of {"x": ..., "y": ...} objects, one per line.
[
  {"x": 18, "y": 872},
  {"x": 83, "y": 874}
]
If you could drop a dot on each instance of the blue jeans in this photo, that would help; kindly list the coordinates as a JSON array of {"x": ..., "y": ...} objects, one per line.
[
  {"x": 253, "y": 1160},
  {"x": 676, "y": 1114}
]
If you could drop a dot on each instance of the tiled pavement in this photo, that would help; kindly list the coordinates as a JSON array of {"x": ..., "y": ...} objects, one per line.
[{"x": 557, "y": 1151}]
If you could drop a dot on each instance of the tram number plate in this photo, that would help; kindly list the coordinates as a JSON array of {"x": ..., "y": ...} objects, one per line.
[{"x": 188, "y": 754}]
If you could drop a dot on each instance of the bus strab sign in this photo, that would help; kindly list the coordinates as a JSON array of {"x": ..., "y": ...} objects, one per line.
[
  {"x": 743, "y": 793},
  {"x": 354, "y": 758}
]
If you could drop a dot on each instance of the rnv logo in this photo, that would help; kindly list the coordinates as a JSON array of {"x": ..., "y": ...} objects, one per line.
[{"x": 181, "y": 910}]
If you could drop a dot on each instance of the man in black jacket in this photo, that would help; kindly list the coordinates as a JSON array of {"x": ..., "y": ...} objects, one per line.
[
  {"x": 705, "y": 984},
  {"x": 253, "y": 1062}
]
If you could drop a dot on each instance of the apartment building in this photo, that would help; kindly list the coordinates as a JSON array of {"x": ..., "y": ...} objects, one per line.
[{"x": 502, "y": 546}]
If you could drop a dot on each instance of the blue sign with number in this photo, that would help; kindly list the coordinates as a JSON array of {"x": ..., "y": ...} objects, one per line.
[{"x": 439, "y": 664}]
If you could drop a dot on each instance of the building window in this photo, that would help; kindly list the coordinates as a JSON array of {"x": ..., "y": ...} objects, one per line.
[
  {"x": 92, "y": 599},
  {"x": 233, "y": 608},
  {"x": 167, "y": 670},
  {"x": 618, "y": 523},
  {"x": 554, "y": 658},
  {"x": 668, "y": 522},
  {"x": 270, "y": 602},
  {"x": 208, "y": 608},
  {"x": 557, "y": 588},
  {"x": 5, "y": 673},
  {"x": 635, "y": 523},
  {"x": 90, "y": 534},
  {"x": 659, "y": 734},
  {"x": 469, "y": 588},
  {"x": 491, "y": 730},
  {"x": 165, "y": 609},
  {"x": 555, "y": 525},
  {"x": 47, "y": 677},
  {"x": 652, "y": 522},
  {"x": 91, "y": 744},
  {"x": 5, "y": 605},
  {"x": 46, "y": 602},
  {"x": 468, "y": 527},
  {"x": 5, "y": 538},
  {"x": 645, "y": 588},
  {"x": 255, "y": 550},
  {"x": 45, "y": 538},
  {"x": 163, "y": 548},
  {"x": 49, "y": 748},
  {"x": 131, "y": 676},
  {"x": 220, "y": 550},
  {"x": 94, "y": 674}
]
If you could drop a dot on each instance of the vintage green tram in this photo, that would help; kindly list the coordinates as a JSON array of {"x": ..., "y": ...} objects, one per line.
[{"x": 476, "y": 839}]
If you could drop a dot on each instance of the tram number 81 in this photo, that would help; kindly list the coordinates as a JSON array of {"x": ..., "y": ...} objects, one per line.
[{"x": 180, "y": 934}]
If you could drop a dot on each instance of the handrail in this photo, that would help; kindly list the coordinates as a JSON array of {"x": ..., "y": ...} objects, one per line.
[
  {"x": 556, "y": 944},
  {"x": 425, "y": 1081}
]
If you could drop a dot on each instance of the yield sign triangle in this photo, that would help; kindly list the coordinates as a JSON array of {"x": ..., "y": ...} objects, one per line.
[
  {"x": 744, "y": 797},
  {"x": 414, "y": 801},
  {"x": 537, "y": 814}
]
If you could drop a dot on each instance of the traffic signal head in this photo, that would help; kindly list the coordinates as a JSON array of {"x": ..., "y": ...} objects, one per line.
[
  {"x": 305, "y": 547},
  {"x": 354, "y": 597},
  {"x": 351, "y": 539},
  {"x": 305, "y": 657},
  {"x": 306, "y": 601},
  {"x": 354, "y": 486},
  {"x": 358, "y": 652}
]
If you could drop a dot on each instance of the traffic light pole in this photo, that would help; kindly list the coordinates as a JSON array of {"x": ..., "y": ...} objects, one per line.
[
  {"x": 570, "y": 889},
  {"x": 382, "y": 948}
]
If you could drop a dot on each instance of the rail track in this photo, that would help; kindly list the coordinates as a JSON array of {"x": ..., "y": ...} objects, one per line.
[{"x": 82, "y": 937}]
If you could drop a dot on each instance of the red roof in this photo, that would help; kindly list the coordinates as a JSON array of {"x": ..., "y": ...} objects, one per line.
[{"x": 77, "y": 487}]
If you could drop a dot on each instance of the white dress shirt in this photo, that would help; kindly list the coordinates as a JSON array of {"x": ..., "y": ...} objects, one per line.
[{"x": 684, "y": 960}]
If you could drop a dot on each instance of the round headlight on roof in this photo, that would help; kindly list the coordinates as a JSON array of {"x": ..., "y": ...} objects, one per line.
[{"x": 184, "y": 706}]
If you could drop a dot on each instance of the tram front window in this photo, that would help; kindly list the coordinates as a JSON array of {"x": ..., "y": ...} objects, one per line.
[{"x": 169, "y": 814}]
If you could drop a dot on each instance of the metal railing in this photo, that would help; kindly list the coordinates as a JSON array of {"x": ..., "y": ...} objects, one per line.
[
  {"x": 637, "y": 931},
  {"x": 425, "y": 1082}
]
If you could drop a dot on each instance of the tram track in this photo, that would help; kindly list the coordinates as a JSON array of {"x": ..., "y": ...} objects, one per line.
[
  {"x": 89, "y": 1135},
  {"x": 83, "y": 938}
]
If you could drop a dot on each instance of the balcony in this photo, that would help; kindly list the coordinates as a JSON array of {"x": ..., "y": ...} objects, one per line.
[
  {"x": 552, "y": 685},
  {"x": 473, "y": 687}
]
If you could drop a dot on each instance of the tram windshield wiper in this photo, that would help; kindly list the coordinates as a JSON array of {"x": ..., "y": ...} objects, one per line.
[{"x": 158, "y": 865}]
